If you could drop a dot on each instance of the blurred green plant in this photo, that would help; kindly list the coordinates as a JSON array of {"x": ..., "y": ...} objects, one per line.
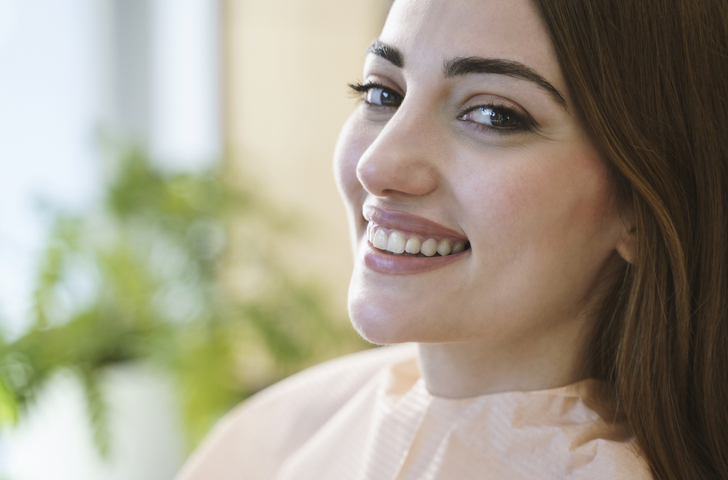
[{"x": 149, "y": 276}]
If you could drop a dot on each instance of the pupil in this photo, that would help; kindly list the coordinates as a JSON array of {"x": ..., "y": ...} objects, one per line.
[
  {"x": 388, "y": 98},
  {"x": 502, "y": 120}
]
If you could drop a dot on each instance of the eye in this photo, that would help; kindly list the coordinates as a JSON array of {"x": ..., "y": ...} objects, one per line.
[
  {"x": 378, "y": 95},
  {"x": 383, "y": 97},
  {"x": 497, "y": 117}
]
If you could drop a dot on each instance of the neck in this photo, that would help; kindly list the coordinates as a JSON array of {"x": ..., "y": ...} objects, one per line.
[{"x": 469, "y": 369}]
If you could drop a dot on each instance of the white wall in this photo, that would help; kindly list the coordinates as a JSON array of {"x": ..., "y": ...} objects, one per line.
[
  {"x": 185, "y": 87},
  {"x": 48, "y": 101}
]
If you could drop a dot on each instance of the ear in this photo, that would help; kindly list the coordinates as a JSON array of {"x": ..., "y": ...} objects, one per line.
[{"x": 626, "y": 244}]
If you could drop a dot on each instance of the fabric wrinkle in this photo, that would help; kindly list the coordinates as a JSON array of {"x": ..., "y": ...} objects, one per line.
[{"x": 387, "y": 426}]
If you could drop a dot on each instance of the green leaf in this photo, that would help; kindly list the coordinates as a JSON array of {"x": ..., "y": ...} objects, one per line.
[
  {"x": 8, "y": 406},
  {"x": 148, "y": 274}
]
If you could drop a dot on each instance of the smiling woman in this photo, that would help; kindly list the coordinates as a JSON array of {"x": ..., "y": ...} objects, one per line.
[
  {"x": 466, "y": 132},
  {"x": 537, "y": 208}
]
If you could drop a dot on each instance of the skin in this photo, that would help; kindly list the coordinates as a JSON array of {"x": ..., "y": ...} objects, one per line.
[{"x": 546, "y": 236}]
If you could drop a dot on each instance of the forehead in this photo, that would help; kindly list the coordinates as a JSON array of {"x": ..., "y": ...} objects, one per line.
[{"x": 431, "y": 32}]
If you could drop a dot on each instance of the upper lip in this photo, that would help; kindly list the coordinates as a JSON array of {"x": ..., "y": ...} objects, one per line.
[{"x": 403, "y": 221}]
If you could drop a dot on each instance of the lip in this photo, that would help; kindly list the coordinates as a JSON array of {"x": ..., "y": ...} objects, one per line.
[
  {"x": 403, "y": 221},
  {"x": 391, "y": 264}
]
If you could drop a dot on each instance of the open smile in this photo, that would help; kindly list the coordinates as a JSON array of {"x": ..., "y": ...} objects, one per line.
[
  {"x": 401, "y": 243},
  {"x": 410, "y": 244}
]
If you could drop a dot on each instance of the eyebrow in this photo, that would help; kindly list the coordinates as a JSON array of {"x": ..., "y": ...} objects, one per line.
[
  {"x": 467, "y": 65},
  {"x": 474, "y": 65},
  {"x": 387, "y": 52}
]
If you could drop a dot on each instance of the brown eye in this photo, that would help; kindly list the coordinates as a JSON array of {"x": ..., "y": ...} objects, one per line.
[
  {"x": 493, "y": 117},
  {"x": 383, "y": 97},
  {"x": 496, "y": 118}
]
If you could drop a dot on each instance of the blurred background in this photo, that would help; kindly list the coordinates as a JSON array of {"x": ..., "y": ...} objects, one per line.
[{"x": 171, "y": 237}]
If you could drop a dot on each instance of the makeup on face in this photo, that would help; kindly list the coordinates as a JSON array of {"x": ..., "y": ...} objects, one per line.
[{"x": 480, "y": 209}]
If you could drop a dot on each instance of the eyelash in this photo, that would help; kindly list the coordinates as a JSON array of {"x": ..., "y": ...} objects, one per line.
[
  {"x": 525, "y": 122},
  {"x": 361, "y": 90}
]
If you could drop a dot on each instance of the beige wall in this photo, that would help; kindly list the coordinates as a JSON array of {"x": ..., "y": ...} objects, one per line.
[{"x": 287, "y": 66}]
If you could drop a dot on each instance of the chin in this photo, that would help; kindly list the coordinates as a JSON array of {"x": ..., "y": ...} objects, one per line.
[
  {"x": 374, "y": 321},
  {"x": 374, "y": 326},
  {"x": 383, "y": 320}
]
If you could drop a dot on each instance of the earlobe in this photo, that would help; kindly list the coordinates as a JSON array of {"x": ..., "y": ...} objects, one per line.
[{"x": 626, "y": 245}]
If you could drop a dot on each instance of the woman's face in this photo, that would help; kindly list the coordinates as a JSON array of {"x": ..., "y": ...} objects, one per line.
[{"x": 467, "y": 138}]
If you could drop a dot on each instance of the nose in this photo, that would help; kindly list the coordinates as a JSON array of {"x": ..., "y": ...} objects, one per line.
[{"x": 402, "y": 160}]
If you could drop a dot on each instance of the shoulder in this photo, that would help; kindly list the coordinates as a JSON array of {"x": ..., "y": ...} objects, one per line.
[
  {"x": 272, "y": 424},
  {"x": 335, "y": 380}
]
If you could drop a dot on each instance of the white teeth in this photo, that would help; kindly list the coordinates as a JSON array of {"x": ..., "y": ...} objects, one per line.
[
  {"x": 429, "y": 248},
  {"x": 372, "y": 233},
  {"x": 396, "y": 242},
  {"x": 413, "y": 245},
  {"x": 443, "y": 248},
  {"x": 380, "y": 239},
  {"x": 458, "y": 247}
]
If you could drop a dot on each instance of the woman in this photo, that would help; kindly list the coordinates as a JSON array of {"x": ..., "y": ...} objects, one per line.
[{"x": 537, "y": 203}]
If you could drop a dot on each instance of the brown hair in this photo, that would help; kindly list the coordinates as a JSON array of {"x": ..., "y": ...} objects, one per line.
[{"x": 650, "y": 79}]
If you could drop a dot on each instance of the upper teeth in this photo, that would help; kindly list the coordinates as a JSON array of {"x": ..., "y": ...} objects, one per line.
[{"x": 396, "y": 242}]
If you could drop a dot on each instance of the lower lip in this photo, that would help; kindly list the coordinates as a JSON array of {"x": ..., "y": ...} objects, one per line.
[{"x": 391, "y": 264}]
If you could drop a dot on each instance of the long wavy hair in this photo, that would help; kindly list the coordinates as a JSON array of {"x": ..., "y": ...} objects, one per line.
[{"x": 650, "y": 79}]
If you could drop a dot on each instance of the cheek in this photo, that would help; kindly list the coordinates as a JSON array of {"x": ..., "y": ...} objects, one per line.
[
  {"x": 353, "y": 142},
  {"x": 578, "y": 194},
  {"x": 559, "y": 198}
]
